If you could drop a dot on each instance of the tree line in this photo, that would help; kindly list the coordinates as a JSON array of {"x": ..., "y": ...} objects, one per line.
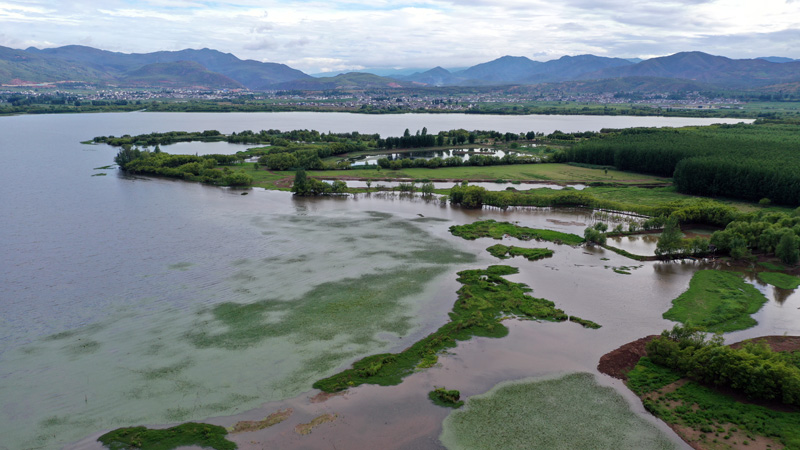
[
  {"x": 754, "y": 369},
  {"x": 748, "y": 162}
]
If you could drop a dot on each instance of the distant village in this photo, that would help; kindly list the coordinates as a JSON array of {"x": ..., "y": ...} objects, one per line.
[{"x": 378, "y": 100}]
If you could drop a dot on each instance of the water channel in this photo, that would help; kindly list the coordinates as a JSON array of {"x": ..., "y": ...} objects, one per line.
[{"x": 141, "y": 301}]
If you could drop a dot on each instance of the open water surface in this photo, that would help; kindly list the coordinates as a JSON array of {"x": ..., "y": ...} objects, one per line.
[{"x": 130, "y": 300}]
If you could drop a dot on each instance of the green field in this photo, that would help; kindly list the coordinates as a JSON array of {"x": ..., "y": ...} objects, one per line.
[{"x": 517, "y": 172}]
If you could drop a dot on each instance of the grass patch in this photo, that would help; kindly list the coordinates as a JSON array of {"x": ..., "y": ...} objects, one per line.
[
  {"x": 199, "y": 434},
  {"x": 572, "y": 412},
  {"x": 447, "y": 398},
  {"x": 709, "y": 411},
  {"x": 779, "y": 280},
  {"x": 648, "y": 376},
  {"x": 521, "y": 172},
  {"x": 497, "y": 230},
  {"x": 531, "y": 254},
  {"x": 585, "y": 323},
  {"x": 483, "y": 300},
  {"x": 775, "y": 267},
  {"x": 717, "y": 301}
]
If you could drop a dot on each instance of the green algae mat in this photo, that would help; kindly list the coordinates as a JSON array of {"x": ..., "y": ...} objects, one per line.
[{"x": 571, "y": 412}]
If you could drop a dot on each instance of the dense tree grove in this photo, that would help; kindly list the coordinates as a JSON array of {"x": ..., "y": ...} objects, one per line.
[
  {"x": 754, "y": 369},
  {"x": 187, "y": 167},
  {"x": 309, "y": 186},
  {"x": 768, "y": 232},
  {"x": 749, "y": 162}
]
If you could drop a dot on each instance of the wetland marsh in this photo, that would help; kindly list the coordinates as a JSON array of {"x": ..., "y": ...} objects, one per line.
[{"x": 139, "y": 301}]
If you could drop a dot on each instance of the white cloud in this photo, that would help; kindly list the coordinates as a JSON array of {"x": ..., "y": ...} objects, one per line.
[{"x": 350, "y": 34}]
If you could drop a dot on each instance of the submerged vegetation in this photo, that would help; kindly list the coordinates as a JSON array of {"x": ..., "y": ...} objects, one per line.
[
  {"x": 483, "y": 301},
  {"x": 497, "y": 230},
  {"x": 717, "y": 301},
  {"x": 531, "y": 254},
  {"x": 447, "y": 398},
  {"x": 566, "y": 413},
  {"x": 187, "y": 434}
]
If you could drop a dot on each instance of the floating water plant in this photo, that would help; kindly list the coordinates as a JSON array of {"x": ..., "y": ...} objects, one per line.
[
  {"x": 483, "y": 300},
  {"x": 531, "y": 254},
  {"x": 717, "y": 301},
  {"x": 497, "y": 230},
  {"x": 572, "y": 412},
  {"x": 187, "y": 434},
  {"x": 446, "y": 398}
]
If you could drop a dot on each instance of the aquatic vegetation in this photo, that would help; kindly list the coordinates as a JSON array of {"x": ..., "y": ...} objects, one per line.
[
  {"x": 497, "y": 230},
  {"x": 717, "y": 301},
  {"x": 585, "y": 323},
  {"x": 771, "y": 266},
  {"x": 531, "y": 254},
  {"x": 779, "y": 280},
  {"x": 624, "y": 270},
  {"x": 199, "y": 434},
  {"x": 565, "y": 413},
  {"x": 254, "y": 425},
  {"x": 483, "y": 300},
  {"x": 711, "y": 413},
  {"x": 446, "y": 398},
  {"x": 305, "y": 428}
]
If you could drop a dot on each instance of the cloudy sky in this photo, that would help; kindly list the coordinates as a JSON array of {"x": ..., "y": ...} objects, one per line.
[{"x": 319, "y": 36}]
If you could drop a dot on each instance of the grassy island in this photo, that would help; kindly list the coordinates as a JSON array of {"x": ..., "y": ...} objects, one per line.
[
  {"x": 531, "y": 254},
  {"x": 497, "y": 230},
  {"x": 717, "y": 301},
  {"x": 447, "y": 398},
  {"x": 188, "y": 434},
  {"x": 483, "y": 301},
  {"x": 779, "y": 280}
]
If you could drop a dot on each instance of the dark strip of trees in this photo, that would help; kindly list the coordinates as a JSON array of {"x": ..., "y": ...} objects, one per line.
[{"x": 748, "y": 162}]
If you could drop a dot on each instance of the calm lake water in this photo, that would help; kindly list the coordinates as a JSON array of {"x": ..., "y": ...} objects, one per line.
[{"x": 130, "y": 300}]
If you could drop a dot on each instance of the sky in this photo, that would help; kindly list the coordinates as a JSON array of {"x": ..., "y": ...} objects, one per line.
[{"x": 346, "y": 35}]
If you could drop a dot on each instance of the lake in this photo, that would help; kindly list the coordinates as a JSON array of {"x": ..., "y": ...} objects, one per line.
[{"x": 133, "y": 300}]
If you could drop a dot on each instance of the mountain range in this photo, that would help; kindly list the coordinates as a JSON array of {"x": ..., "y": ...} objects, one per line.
[{"x": 212, "y": 69}]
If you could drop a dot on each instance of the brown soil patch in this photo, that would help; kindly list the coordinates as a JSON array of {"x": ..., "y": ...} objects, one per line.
[
  {"x": 305, "y": 428},
  {"x": 776, "y": 343},
  {"x": 618, "y": 362},
  {"x": 254, "y": 425}
]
